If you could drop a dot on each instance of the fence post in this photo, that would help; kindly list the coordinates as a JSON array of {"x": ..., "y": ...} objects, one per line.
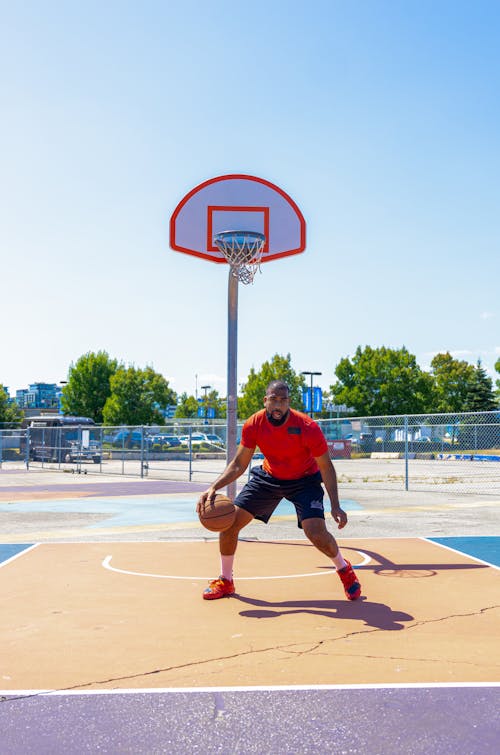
[
  {"x": 406, "y": 452},
  {"x": 142, "y": 450},
  {"x": 27, "y": 451},
  {"x": 123, "y": 452},
  {"x": 79, "y": 458},
  {"x": 190, "y": 453}
]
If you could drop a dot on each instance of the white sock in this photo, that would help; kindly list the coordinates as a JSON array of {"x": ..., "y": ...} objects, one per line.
[
  {"x": 226, "y": 566},
  {"x": 339, "y": 561}
]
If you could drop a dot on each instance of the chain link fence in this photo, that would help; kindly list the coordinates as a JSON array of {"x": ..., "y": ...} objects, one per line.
[{"x": 458, "y": 453}]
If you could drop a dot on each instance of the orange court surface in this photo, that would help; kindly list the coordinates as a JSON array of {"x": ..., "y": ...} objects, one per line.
[{"x": 101, "y": 615}]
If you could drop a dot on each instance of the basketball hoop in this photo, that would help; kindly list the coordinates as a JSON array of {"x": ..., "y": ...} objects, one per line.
[{"x": 243, "y": 251}]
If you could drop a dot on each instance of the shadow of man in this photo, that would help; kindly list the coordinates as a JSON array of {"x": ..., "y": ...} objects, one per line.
[{"x": 373, "y": 614}]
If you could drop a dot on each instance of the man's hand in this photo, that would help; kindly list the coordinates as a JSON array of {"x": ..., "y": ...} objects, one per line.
[
  {"x": 207, "y": 495},
  {"x": 340, "y": 516}
]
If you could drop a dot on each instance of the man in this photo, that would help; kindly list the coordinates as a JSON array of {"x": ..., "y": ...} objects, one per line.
[{"x": 296, "y": 461}]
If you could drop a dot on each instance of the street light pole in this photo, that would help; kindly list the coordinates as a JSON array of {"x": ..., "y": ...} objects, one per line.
[
  {"x": 63, "y": 383},
  {"x": 307, "y": 372},
  {"x": 205, "y": 388}
]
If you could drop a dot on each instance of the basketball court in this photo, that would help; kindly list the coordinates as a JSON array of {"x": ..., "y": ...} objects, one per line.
[{"x": 109, "y": 645}]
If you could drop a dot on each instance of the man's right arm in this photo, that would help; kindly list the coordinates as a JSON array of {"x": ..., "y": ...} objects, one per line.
[{"x": 234, "y": 469}]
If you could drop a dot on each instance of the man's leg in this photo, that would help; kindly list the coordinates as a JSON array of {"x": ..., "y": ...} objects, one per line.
[
  {"x": 228, "y": 542},
  {"x": 316, "y": 531}
]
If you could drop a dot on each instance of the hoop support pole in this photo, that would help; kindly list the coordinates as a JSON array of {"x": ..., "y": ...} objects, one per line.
[{"x": 232, "y": 386}]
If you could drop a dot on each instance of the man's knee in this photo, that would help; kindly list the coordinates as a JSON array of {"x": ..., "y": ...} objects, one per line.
[
  {"x": 315, "y": 529},
  {"x": 241, "y": 520}
]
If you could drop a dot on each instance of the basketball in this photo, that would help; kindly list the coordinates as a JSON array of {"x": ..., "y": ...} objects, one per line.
[{"x": 218, "y": 515}]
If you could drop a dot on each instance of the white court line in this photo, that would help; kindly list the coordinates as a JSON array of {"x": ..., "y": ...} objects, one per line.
[
  {"x": 261, "y": 688},
  {"x": 460, "y": 553},
  {"x": 107, "y": 565},
  {"x": 16, "y": 555}
]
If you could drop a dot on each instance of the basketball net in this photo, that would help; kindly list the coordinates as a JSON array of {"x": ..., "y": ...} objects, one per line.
[{"x": 243, "y": 251}]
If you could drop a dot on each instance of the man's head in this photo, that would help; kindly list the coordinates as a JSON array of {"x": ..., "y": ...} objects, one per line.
[{"x": 277, "y": 402}]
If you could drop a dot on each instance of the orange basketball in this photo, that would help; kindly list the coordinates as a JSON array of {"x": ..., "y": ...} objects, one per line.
[{"x": 219, "y": 514}]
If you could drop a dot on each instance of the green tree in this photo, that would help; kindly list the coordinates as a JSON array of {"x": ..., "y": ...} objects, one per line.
[
  {"x": 480, "y": 396},
  {"x": 9, "y": 413},
  {"x": 187, "y": 407},
  {"x": 136, "y": 397},
  {"x": 497, "y": 368},
  {"x": 88, "y": 386},
  {"x": 214, "y": 401},
  {"x": 452, "y": 381},
  {"x": 254, "y": 390},
  {"x": 382, "y": 381}
]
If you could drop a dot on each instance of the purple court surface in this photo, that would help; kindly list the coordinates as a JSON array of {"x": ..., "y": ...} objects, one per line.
[{"x": 426, "y": 720}]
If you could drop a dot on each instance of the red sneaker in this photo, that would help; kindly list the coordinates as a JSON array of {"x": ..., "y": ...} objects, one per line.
[
  {"x": 352, "y": 588},
  {"x": 219, "y": 588}
]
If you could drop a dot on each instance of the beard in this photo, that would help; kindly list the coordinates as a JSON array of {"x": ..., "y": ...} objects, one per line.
[{"x": 277, "y": 422}]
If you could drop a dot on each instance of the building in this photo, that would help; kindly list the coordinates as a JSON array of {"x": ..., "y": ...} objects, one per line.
[{"x": 38, "y": 396}]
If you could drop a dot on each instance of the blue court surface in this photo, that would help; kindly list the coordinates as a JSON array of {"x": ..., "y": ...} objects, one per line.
[
  {"x": 9, "y": 551},
  {"x": 485, "y": 549},
  {"x": 129, "y": 511}
]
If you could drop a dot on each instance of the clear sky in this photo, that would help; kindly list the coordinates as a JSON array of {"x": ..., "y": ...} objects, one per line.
[{"x": 380, "y": 119}]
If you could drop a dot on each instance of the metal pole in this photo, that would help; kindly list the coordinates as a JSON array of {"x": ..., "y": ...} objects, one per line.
[
  {"x": 308, "y": 372},
  {"x": 142, "y": 450},
  {"x": 406, "y": 452},
  {"x": 205, "y": 388},
  {"x": 232, "y": 361},
  {"x": 28, "y": 444}
]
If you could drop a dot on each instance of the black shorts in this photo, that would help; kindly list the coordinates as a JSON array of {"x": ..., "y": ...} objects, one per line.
[{"x": 262, "y": 494}]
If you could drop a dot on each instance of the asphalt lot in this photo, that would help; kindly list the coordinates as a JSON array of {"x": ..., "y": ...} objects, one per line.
[{"x": 374, "y": 509}]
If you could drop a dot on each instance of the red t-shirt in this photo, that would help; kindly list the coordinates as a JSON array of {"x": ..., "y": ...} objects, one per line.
[{"x": 288, "y": 449}]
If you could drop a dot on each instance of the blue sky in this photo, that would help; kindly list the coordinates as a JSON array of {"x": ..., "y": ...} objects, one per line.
[{"x": 380, "y": 119}]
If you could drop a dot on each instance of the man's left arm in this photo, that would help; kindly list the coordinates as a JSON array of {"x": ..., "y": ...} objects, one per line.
[{"x": 329, "y": 477}]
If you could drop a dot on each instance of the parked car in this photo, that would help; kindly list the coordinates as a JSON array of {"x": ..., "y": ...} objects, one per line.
[
  {"x": 196, "y": 439},
  {"x": 216, "y": 440},
  {"x": 172, "y": 440},
  {"x": 128, "y": 439},
  {"x": 163, "y": 440}
]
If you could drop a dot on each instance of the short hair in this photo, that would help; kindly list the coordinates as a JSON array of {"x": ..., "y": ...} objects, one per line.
[{"x": 279, "y": 385}]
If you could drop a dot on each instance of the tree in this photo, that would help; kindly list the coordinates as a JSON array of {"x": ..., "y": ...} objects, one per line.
[
  {"x": 214, "y": 401},
  {"x": 187, "y": 407},
  {"x": 254, "y": 390},
  {"x": 497, "y": 368},
  {"x": 382, "y": 381},
  {"x": 480, "y": 396},
  {"x": 452, "y": 381},
  {"x": 9, "y": 413},
  {"x": 88, "y": 386},
  {"x": 137, "y": 397}
]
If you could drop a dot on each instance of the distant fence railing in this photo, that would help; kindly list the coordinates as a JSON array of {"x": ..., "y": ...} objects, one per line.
[{"x": 447, "y": 452}]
